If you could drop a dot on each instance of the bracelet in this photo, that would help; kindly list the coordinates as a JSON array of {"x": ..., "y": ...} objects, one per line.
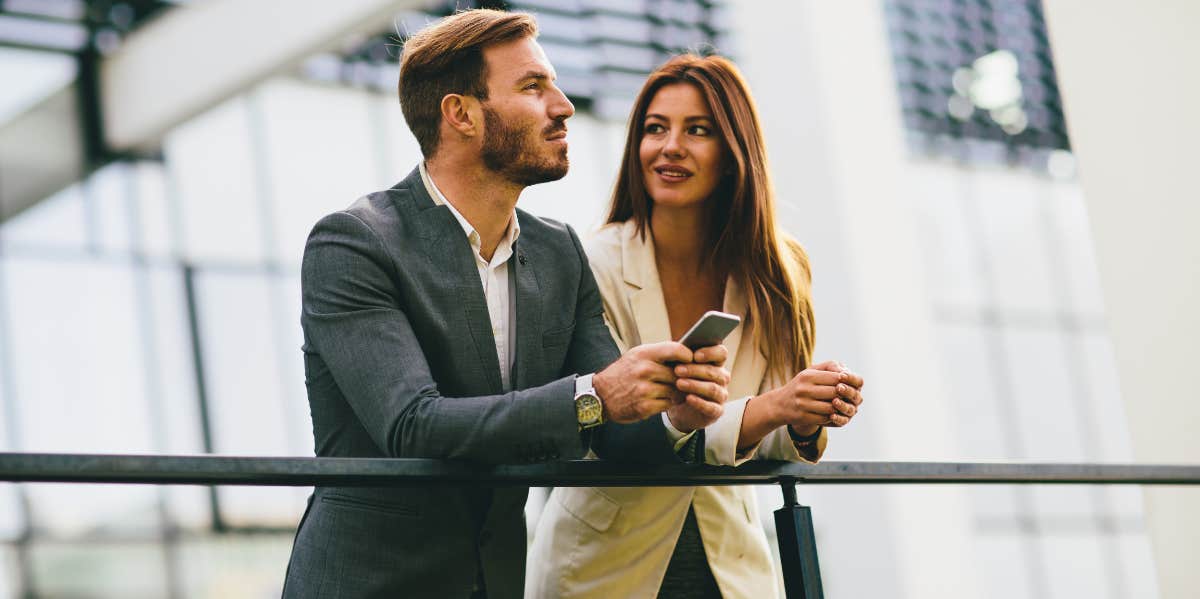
[{"x": 805, "y": 440}]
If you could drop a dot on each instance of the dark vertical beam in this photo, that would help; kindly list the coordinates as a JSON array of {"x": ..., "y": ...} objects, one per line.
[
  {"x": 91, "y": 121},
  {"x": 797, "y": 547},
  {"x": 205, "y": 412}
]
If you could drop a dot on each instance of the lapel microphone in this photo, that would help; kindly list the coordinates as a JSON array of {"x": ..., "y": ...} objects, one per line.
[{"x": 521, "y": 258}]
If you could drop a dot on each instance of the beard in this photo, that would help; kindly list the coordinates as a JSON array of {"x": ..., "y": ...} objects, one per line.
[{"x": 509, "y": 150}]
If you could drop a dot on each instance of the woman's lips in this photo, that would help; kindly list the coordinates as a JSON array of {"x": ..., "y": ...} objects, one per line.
[{"x": 672, "y": 174}]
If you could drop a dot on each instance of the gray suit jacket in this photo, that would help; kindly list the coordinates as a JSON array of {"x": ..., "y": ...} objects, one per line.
[{"x": 400, "y": 361}]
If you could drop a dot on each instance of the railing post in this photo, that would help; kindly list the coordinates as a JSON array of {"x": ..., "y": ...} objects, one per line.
[{"x": 797, "y": 546}]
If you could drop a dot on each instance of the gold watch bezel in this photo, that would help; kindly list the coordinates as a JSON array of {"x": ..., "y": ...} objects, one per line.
[{"x": 588, "y": 410}]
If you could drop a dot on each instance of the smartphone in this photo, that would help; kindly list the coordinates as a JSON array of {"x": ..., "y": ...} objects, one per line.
[{"x": 711, "y": 329}]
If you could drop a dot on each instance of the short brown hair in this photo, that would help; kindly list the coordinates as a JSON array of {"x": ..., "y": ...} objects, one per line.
[{"x": 447, "y": 58}]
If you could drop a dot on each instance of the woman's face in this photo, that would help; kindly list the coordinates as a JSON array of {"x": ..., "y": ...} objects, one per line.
[{"x": 681, "y": 152}]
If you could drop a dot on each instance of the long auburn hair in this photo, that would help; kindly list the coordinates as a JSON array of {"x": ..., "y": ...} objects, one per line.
[{"x": 744, "y": 239}]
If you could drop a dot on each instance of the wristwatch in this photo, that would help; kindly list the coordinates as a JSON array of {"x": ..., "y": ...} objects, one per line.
[{"x": 588, "y": 409}]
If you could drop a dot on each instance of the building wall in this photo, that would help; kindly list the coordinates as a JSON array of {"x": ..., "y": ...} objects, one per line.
[{"x": 1130, "y": 102}]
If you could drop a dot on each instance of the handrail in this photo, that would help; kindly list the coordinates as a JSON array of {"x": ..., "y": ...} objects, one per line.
[
  {"x": 793, "y": 522},
  {"x": 296, "y": 471}
]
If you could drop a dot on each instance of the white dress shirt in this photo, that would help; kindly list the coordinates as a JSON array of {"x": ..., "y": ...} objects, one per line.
[{"x": 493, "y": 274}]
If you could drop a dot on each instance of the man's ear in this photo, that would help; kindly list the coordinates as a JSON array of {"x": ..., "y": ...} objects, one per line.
[{"x": 463, "y": 114}]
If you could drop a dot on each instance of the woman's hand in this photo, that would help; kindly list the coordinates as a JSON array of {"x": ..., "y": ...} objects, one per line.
[
  {"x": 849, "y": 394},
  {"x": 827, "y": 394},
  {"x": 703, "y": 389}
]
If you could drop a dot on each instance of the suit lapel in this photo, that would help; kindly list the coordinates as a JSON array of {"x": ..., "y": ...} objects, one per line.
[
  {"x": 645, "y": 290},
  {"x": 528, "y": 299},
  {"x": 447, "y": 248}
]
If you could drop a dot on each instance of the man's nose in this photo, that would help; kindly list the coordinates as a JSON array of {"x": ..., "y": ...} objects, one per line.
[{"x": 561, "y": 107}]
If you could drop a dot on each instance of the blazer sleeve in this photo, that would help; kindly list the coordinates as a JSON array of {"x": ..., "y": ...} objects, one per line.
[
  {"x": 352, "y": 318},
  {"x": 722, "y": 436},
  {"x": 778, "y": 445}
]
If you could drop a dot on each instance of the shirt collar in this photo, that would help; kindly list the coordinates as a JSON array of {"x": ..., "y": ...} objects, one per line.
[{"x": 510, "y": 235}]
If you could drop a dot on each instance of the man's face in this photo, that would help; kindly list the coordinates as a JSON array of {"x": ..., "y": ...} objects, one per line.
[{"x": 525, "y": 130}]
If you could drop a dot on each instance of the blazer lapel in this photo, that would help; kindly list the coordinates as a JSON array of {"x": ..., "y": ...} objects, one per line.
[
  {"x": 646, "y": 300},
  {"x": 528, "y": 299},
  {"x": 746, "y": 363},
  {"x": 450, "y": 253}
]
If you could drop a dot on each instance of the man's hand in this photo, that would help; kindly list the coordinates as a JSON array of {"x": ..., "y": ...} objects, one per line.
[
  {"x": 703, "y": 389},
  {"x": 827, "y": 394},
  {"x": 640, "y": 383}
]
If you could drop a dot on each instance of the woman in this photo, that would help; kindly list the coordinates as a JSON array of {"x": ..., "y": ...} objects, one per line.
[{"x": 691, "y": 229}]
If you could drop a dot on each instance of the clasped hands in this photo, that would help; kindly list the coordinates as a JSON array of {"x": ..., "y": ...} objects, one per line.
[
  {"x": 691, "y": 386},
  {"x": 825, "y": 394}
]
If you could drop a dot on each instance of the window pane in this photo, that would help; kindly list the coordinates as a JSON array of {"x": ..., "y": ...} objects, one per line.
[
  {"x": 10, "y": 513},
  {"x": 77, "y": 365},
  {"x": 235, "y": 566},
  {"x": 1009, "y": 207},
  {"x": 79, "y": 382},
  {"x": 980, "y": 417},
  {"x": 307, "y": 179},
  {"x": 1002, "y": 573},
  {"x": 252, "y": 389},
  {"x": 172, "y": 388},
  {"x": 1043, "y": 397},
  {"x": 213, "y": 174},
  {"x": 1075, "y": 565},
  {"x": 99, "y": 570},
  {"x": 951, "y": 253},
  {"x": 58, "y": 222},
  {"x": 107, "y": 197},
  {"x": 10, "y": 574},
  {"x": 158, "y": 235}
]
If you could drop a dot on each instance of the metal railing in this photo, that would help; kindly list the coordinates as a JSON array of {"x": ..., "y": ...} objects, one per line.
[{"x": 793, "y": 522}]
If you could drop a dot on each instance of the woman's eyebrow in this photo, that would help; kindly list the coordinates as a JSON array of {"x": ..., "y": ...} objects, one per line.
[{"x": 699, "y": 117}]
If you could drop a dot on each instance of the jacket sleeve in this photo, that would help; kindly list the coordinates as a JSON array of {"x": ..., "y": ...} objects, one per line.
[
  {"x": 722, "y": 439},
  {"x": 353, "y": 319},
  {"x": 777, "y": 445}
]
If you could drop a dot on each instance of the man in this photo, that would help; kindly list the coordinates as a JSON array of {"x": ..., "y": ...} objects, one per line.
[{"x": 441, "y": 322}]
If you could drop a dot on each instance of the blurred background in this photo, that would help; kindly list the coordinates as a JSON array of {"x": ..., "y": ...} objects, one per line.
[{"x": 162, "y": 162}]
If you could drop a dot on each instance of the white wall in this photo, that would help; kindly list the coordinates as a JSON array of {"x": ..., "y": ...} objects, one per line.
[{"x": 1131, "y": 88}]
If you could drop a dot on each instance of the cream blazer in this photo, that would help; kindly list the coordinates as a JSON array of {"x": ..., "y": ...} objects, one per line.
[{"x": 616, "y": 542}]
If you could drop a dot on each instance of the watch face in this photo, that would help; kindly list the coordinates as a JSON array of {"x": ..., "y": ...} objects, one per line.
[{"x": 587, "y": 408}]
